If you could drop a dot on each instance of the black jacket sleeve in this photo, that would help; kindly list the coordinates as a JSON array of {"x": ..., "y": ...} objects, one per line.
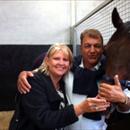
[{"x": 40, "y": 110}]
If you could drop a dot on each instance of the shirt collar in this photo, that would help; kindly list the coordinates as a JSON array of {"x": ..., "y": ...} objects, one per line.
[{"x": 96, "y": 67}]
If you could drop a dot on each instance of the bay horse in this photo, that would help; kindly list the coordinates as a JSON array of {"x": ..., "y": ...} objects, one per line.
[{"x": 117, "y": 53}]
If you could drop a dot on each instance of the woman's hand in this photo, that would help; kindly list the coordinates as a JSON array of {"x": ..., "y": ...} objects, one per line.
[{"x": 91, "y": 105}]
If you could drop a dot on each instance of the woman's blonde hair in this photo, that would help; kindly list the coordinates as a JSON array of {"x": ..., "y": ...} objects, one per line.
[{"x": 52, "y": 50}]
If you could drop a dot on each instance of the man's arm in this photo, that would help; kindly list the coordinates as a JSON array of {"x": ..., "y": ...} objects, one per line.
[
  {"x": 125, "y": 106},
  {"x": 22, "y": 83}
]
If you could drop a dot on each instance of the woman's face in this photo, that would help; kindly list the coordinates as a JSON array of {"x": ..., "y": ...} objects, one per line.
[{"x": 58, "y": 64}]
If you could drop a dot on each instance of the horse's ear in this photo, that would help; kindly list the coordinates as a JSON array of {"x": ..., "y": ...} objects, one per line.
[{"x": 116, "y": 20}]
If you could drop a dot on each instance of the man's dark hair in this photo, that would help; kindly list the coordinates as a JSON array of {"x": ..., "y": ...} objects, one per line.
[{"x": 93, "y": 33}]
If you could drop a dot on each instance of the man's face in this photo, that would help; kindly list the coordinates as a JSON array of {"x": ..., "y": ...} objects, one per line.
[{"x": 91, "y": 51}]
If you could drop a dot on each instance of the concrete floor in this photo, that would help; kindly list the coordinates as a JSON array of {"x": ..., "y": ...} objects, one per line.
[{"x": 5, "y": 117}]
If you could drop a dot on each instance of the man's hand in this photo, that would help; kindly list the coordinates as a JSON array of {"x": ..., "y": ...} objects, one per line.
[
  {"x": 22, "y": 83},
  {"x": 112, "y": 93}
]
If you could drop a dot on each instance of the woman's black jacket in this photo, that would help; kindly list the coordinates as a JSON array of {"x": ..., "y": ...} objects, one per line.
[{"x": 39, "y": 109}]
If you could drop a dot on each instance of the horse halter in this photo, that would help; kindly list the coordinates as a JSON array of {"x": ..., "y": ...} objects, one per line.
[{"x": 124, "y": 83}]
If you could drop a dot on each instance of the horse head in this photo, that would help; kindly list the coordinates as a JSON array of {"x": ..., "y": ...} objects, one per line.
[{"x": 117, "y": 49}]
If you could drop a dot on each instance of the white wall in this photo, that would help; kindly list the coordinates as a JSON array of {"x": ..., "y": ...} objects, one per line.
[
  {"x": 41, "y": 21},
  {"x": 34, "y": 22}
]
